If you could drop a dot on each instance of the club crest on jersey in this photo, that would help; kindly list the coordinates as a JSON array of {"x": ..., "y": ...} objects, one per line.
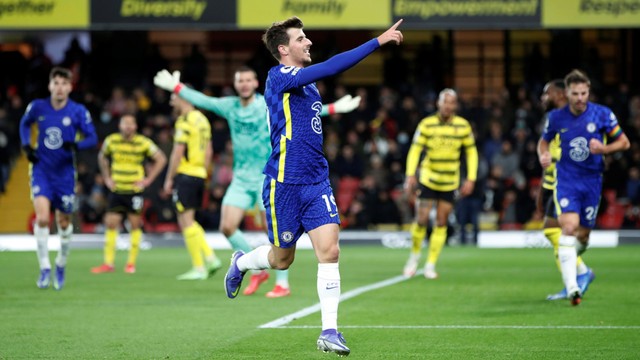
[
  {"x": 564, "y": 202},
  {"x": 591, "y": 127},
  {"x": 66, "y": 121},
  {"x": 287, "y": 236},
  {"x": 36, "y": 189},
  {"x": 40, "y": 118}
]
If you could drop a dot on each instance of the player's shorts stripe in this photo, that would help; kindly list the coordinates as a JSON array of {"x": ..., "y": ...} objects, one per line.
[
  {"x": 286, "y": 107},
  {"x": 274, "y": 221}
]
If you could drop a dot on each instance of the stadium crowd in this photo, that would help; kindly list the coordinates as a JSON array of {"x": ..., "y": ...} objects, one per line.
[{"x": 366, "y": 149}]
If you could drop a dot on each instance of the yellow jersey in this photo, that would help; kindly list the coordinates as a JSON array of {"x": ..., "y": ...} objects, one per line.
[
  {"x": 193, "y": 130},
  {"x": 549, "y": 174},
  {"x": 443, "y": 143},
  {"x": 127, "y": 160}
]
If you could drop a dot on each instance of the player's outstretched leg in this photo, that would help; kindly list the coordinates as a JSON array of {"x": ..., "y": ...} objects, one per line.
[
  {"x": 331, "y": 340},
  {"x": 44, "y": 279},
  {"x": 233, "y": 278}
]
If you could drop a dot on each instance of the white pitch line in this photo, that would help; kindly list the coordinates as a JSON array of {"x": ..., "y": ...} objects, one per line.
[
  {"x": 346, "y": 296},
  {"x": 479, "y": 327}
]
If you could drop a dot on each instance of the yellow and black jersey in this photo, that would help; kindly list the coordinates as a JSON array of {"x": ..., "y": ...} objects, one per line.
[
  {"x": 442, "y": 143},
  {"x": 549, "y": 175},
  {"x": 127, "y": 160},
  {"x": 193, "y": 130}
]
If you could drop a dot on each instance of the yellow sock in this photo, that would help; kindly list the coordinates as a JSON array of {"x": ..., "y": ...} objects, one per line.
[
  {"x": 553, "y": 235},
  {"x": 136, "y": 237},
  {"x": 192, "y": 239},
  {"x": 204, "y": 247},
  {"x": 110, "y": 237},
  {"x": 436, "y": 243},
  {"x": 418, "y": 232}
]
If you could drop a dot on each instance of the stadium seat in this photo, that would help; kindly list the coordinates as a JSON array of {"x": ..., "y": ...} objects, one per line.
[
  {"x": 348, "y": 184},
  {"x": 613, "y": 217}
]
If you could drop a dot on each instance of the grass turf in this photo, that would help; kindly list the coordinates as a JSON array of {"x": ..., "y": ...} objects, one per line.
[{"x": 487, "y": 304}]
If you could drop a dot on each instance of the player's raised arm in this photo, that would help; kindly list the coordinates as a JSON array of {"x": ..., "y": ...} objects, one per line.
[
  {"x": 391, "y": 35},
  {"x": 343, "y": 105}
]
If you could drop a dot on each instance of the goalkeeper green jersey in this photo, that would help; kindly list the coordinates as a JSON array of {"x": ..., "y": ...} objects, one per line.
[{"x": 249, "y": 130}]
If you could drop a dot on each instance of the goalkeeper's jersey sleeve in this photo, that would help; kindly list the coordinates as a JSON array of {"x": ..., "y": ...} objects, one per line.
[{"x": 248, "y": 128}]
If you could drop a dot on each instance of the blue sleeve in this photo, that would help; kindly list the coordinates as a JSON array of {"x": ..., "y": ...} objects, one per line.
[
  {"x": 25, "y": 126},
  {"x": 549, "y": 132},
  {"x": 86, "y": 126},
  {"x": 336, "y": 64}
]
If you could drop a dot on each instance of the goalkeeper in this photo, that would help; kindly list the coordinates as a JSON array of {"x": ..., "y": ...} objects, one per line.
[{"x": 246, "y": 115}]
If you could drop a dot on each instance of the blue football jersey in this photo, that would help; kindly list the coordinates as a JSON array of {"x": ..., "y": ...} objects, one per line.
[
  {"x": 294, "y": 108},
  {"x": 54, "y": 128},
  {"x": 575, "y": 132}
]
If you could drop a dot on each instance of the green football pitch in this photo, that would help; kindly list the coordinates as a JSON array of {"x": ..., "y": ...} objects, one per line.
[{"x": 487, "y": 304}]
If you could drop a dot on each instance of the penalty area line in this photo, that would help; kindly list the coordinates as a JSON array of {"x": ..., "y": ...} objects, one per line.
[{"x": 281, "y": 322}]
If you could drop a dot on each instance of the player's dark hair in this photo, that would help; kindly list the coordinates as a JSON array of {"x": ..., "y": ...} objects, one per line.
[
  {"x": 245, "y": 68},
  {"x": 61, "y": 72},
  {"x": 276, "y": 34},
  {"x": 558, "y": 83},
  {"x": 576, "y": 77}
]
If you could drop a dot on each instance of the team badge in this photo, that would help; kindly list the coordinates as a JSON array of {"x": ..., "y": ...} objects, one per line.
[
  {"x": 287, "y": 236},
  {"x": 591, "y": 127},
  {"x": 36, "y": 189},
  {"x": 66, "y": 121},
  {"x": 40, "y": 118},
  {"x": 564, "y": 202}
]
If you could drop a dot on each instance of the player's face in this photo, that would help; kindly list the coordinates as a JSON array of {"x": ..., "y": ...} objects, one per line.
[
  {"x": 128, "y": 126},
  {"x": 578, "y": 95},
  {"x": 448, "y": 106},
  {"x": 299, "y": 46},
  {"x": 545, "y": 98},
  {"x": 60, "y": 88},
  {"x": 245, "y": 83}
]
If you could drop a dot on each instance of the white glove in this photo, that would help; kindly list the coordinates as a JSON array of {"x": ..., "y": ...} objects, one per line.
[
  {"x": 167, "y": 81},
  {"x": 346, "y": 104}
]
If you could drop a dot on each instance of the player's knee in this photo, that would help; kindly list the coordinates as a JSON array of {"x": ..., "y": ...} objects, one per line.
[
  {"x": 227, "y": 229},
  {"x": 42, "y": 222},
  {"x": 282, "y": 263},
  {"x": 331, "y": 254}
]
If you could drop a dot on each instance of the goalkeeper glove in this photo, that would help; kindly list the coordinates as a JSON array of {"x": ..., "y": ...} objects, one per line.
[
  {"x": 168, "y": 81},
  {"x": 31, "y": 154},
  {"x": 70, "y": 145},
  {"x": 345, "y": 104}
]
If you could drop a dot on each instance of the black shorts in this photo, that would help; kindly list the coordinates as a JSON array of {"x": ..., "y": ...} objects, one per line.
[
  {"x": 187, "y": 192},
  {"x": 125, "y": 203},
  {"x": 430, "y": 194},
  {"x": 548, "y": 203}
]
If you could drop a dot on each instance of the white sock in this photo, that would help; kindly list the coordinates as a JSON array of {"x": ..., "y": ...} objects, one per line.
[
  {"x": 568, "y": 257},
  {"x": 65, "y": 242},
  {"x": 42, "y": 241},
  {"x": 329, "y": 294},
  {"x": 256, "y": 259}
]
